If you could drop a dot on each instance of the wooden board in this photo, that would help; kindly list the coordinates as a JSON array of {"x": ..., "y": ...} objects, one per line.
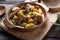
[{"x": 36, "y": 34}]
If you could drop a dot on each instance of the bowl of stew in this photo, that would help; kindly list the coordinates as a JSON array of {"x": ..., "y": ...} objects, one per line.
[{"x": 26, "y": 16}]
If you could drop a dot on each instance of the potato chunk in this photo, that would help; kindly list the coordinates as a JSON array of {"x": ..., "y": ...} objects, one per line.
[
  {"x": 30, "y": 21},
  {"x": 30, "y": 25},
  {"x": 20, "y": 13},
  {"x": 15, "y": 8}
]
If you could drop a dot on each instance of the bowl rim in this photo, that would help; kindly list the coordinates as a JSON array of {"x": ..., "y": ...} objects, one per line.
[
  {"x": 3, "y": 10},
  {"x": 20, "y": 26}
]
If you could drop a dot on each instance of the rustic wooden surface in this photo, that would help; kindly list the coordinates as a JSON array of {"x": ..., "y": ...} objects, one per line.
[{"x": 36, "y": 34}]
